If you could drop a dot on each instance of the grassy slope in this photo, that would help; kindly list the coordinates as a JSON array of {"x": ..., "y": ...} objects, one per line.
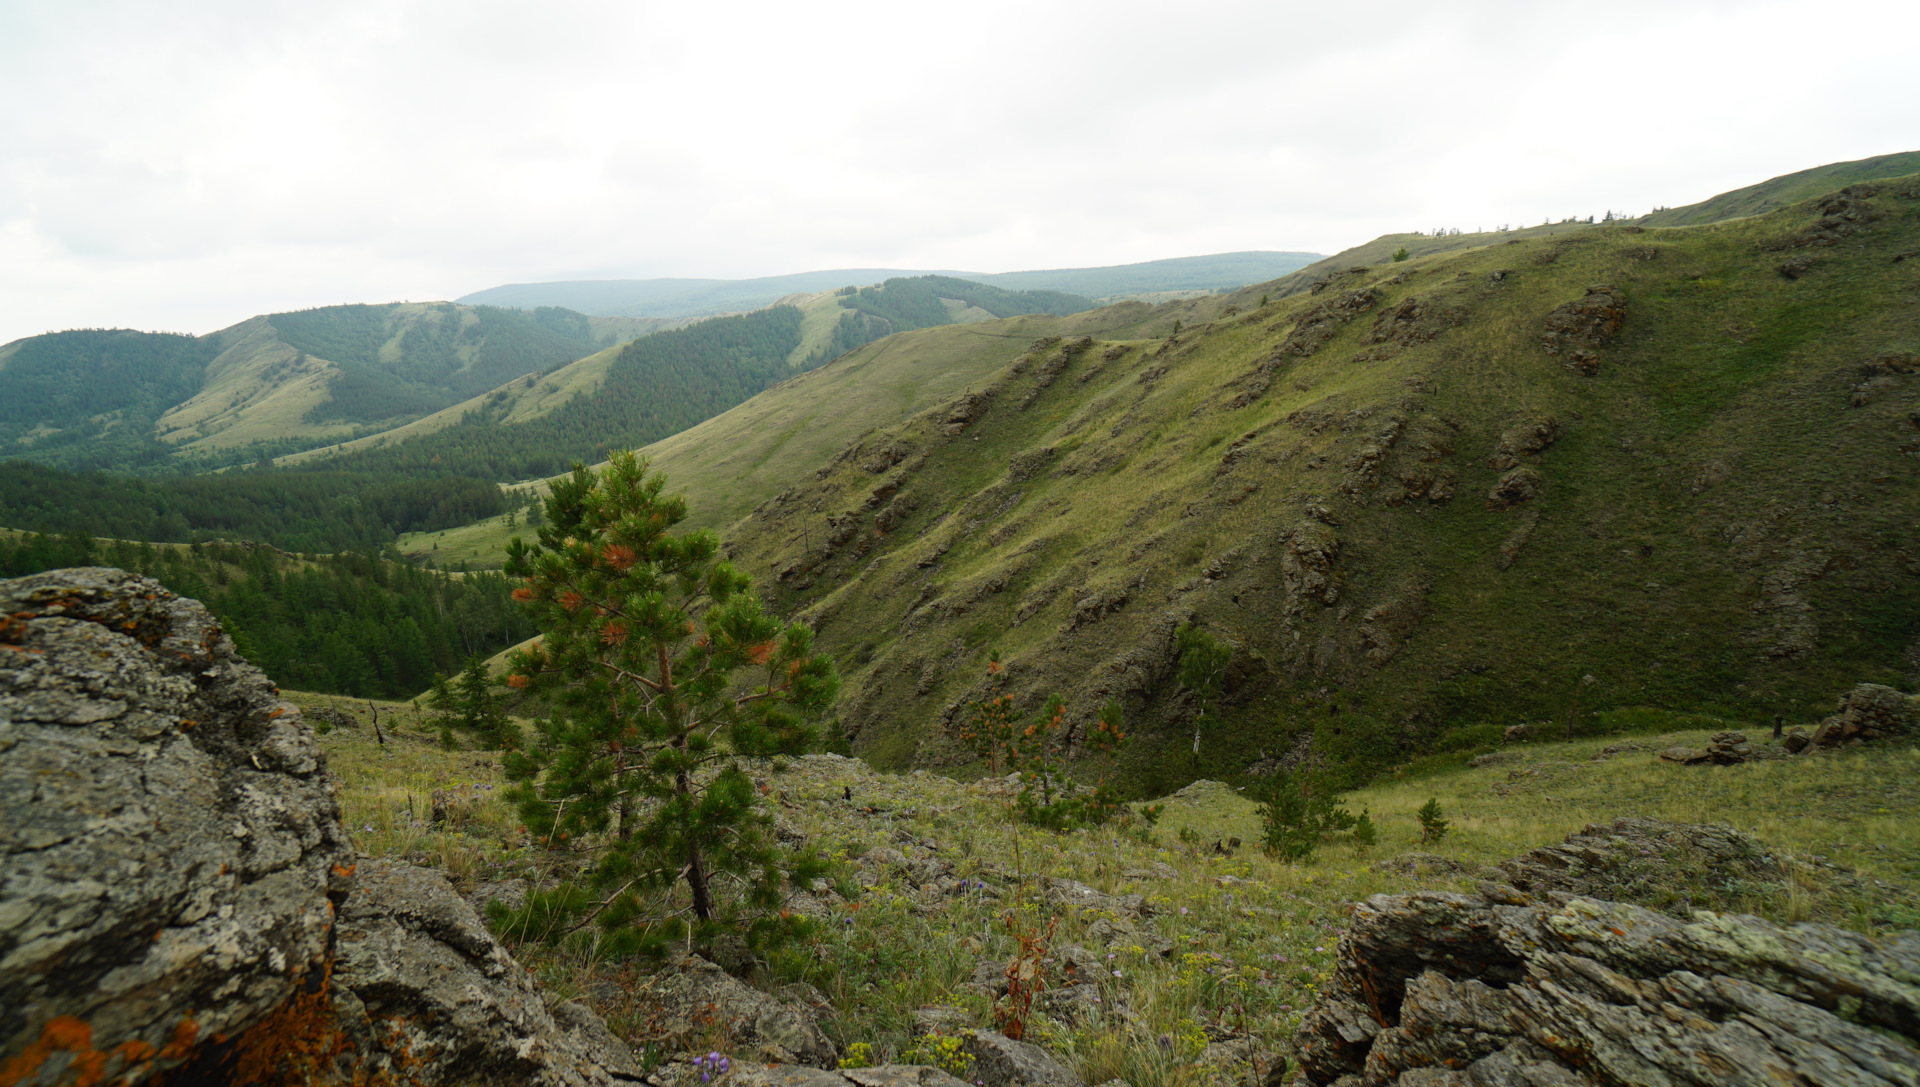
[
  {"x": 1268, "y": 941},
  {"x": 1713, "y": 496},
  {"x": 820, "y": 312},
  {"x": 258, "y": 389},
  {"x": 1787, "y": 189},
  {"x": 528, "y": 398},
  {"x": 737, "y": 460},
  {"x": 611, "y": 331},
  {"x": 262, "y": 389}
]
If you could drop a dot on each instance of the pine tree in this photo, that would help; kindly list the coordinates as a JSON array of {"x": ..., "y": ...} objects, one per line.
[
  {"x": 472, "y": 705},
  {"x": 645, "y": 639},
  {"x": 1364, "y": 832}
]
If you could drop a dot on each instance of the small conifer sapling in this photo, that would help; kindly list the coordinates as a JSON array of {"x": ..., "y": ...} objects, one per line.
[
  {"x": 1364, "y": 833},
  {"x": 1433, "y": 826},
  {"x": 664, "y": 672}
]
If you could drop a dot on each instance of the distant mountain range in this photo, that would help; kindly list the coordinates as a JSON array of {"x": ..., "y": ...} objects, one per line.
[{"x": 697, "y": 297}]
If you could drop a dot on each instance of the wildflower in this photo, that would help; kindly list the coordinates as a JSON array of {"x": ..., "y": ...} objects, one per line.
[
  {"x": 1183, "y": 911},
  {"x": 1116, "y": 973}
]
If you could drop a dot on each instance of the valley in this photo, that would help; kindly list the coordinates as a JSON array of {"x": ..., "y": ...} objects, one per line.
[{"x": 1506, "y": 550}]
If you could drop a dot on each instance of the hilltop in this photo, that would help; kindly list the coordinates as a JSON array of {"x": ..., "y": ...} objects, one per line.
[{"x": 700, "y": 297}]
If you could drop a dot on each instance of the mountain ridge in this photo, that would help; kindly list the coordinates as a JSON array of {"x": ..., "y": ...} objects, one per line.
[{"x": 682, "y": 297}]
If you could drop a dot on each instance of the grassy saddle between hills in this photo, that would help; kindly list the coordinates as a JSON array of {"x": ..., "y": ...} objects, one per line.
[{"x": 1207, "y": 972}]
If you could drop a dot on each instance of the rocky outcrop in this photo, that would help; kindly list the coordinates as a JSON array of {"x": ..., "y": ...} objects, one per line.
[
  {"x": 743, "y": 1074},
  {"x": 1306, "y": 566},
  {"x": 1843, "y": 215},
  {"x": 1526, "y": 438},
  {"x": 1723, "y": 749},
  {"x": 1575, "y": 331},
  {"x": 999, "y": 1061},
  {"x": 1644, "y": 861},
  {"x": 1520, "y": 485},
  {"x": 693, "y": 999},
  {"x": 170, "y": 846},
  {"x": 1500, "y": 988},
  {"x": 1868, "y": 712},
  {"x": 1414, "y": 321},
  {"x": 178, "y": 897},
  {"x": 1318, "y": 324},
  {"x": 423, "y": 993}
]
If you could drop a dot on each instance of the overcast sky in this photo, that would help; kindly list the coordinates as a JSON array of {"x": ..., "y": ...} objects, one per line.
[{"x": 182, "y": 166}]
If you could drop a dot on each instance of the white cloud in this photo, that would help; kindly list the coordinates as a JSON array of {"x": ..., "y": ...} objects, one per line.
[{"x": 184, "y": 166}]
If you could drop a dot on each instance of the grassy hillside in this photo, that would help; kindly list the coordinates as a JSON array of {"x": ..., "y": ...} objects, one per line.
[
  {"x": 269, "y": 385},
  {"x": 1752, "y": 200},
  {"x": 662, "y": 384},
  {"x": 518, "y": 402},
  {"x": 1423, "y": 501},
  {"x": 736, "y": 460},
  {"x": 1787, "y": 189},
  {"x": 1238, "y": 944}
]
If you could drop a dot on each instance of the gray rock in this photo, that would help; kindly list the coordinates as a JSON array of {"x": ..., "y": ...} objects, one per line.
[
  {"x": 692, "y": 999},
  {"x": 425, "y": 991},
  {"x": 747, "y": 1074},
  {"x": 1868, "y": 712},
  {"x": 1447, "y": 988},
  {"x": 511, "y": 893},
  {"x": 1076, "y": 895},
  {"x": 1645, "y": 861},
  {"x": 902, "y": 1075},
  {"x": 939, "y": 1019},
  {"x": 170, "y": 845},
  {"x": 744, "y": 1074},
  {"x": 179, "y": 899},
  {"x": 999, "y": 1061}
]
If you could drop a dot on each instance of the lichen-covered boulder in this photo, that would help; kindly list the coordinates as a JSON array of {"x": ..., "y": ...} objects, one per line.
[
  {"x": 1497, "y": 988},
  {"x": 422, "y": 993},
  {"x": 179, "y": 900},
  {"x": 692, "y": 999},
  {"x": 170, "y": 846}
]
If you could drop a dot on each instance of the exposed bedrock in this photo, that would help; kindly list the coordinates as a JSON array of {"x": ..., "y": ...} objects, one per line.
[{"x": 1499, "y": 988}]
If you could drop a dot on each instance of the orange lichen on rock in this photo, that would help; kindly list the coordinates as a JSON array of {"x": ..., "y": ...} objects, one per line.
[{"x": 62, "y": 1034}]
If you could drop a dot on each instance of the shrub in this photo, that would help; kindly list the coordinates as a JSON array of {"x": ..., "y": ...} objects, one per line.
[{"x": 1400, "y": 254}]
